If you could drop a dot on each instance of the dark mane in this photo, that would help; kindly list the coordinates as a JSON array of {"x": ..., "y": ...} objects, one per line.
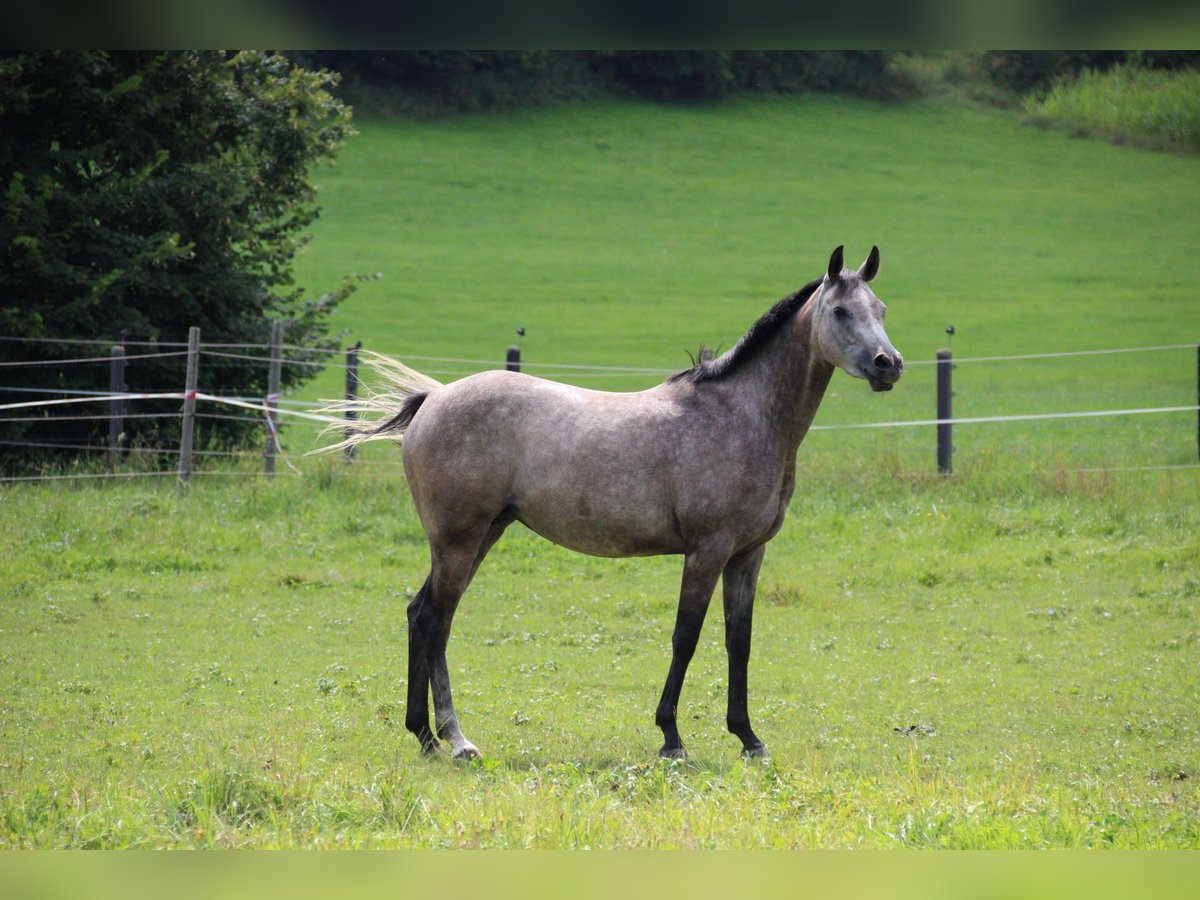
[{"x": 752, "y": 341}]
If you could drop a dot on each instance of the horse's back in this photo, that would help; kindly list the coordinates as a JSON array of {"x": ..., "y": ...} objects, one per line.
[{"x": 588, "y": 469}]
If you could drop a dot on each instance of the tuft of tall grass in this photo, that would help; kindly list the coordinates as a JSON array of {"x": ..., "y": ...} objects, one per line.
[{"x": 1128, "y": 103}]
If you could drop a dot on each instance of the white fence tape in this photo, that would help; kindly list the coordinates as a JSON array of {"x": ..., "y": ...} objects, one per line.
[
  {"x": 1028, "y": 417},
  {"x": 93, "y": 398},
  {"x": 912, "y": 423}
]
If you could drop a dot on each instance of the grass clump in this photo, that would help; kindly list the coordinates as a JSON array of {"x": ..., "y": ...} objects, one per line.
[{"x": 1128, "y": 104}]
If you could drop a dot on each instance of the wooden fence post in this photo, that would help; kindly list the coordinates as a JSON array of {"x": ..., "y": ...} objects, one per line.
[
  {"x": 512, "y": 359},
  {"x": 116, "y": 408},
  {"x": 945, "y": 443},
  {"x": 189, "y": 407},
  {"x": 272, "y": 404},
  {"x": 351, "y": 393}
]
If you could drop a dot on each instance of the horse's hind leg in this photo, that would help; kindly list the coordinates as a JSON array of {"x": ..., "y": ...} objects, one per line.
[
  {"x": 416, "y": 718},
  {"x": 430, "y": 616}
]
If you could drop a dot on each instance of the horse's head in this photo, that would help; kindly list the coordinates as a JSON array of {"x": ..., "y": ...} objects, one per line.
[{"x": 848, "y": 324}]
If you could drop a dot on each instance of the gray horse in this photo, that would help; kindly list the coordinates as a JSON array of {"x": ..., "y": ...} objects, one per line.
[{"x": 702, "y": 465}]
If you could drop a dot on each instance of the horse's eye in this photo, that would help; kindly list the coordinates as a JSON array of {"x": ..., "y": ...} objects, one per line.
[{"x": 839, "y": 312}]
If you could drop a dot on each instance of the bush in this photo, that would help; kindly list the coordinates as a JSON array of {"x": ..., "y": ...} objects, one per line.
[
  {"x": 1026, "y": 71},
  {"x": 957, "y": 76},
  {"x": 1157, "y": 107}
]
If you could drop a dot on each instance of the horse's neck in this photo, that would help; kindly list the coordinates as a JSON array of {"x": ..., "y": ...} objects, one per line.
[{"x": 791, "y": 380}]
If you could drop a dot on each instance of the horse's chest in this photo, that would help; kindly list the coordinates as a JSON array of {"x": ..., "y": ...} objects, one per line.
[{"x": 776, "y": 504}]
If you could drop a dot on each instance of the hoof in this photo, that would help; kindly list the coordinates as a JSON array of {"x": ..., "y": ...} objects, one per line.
[
  {"x": 757, "y": 752},
  {"x": 673, "y": 753},
  {"x": 467, "y": 753}
]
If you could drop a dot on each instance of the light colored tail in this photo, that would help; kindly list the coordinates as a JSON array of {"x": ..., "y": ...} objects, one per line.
[{"x": 383, "y": 411}]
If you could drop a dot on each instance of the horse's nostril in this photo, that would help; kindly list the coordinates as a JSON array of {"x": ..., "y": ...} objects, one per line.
[{"x": 883, "y": 361}]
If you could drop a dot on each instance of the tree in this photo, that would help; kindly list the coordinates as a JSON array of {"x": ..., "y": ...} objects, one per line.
[{"x": 147, "y": 192}]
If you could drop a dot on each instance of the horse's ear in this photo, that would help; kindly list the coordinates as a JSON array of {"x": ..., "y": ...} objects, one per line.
[
  {"x": 835, "y": 264},
  {"x": 870, "y": 268}
]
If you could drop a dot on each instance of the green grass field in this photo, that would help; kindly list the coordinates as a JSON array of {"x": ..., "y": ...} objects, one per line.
[
  {"x": 1003, "y": 662},
  {"x": 1006, "y": 658},
  {"x": 625, "y": 235}
]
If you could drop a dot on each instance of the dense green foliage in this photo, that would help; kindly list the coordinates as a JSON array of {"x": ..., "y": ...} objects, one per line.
[
  {"x": 430, "y": 81},
  {"x": 993, "y": 661},
  {"x": 427, "y": 82},
  {"x": 1151, "y": 106},
  {"x": 148, "y": 192},
  {"x": 1026, "y": 71}
]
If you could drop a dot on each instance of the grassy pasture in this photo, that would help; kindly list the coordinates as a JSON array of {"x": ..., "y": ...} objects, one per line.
[
  {"x": 626, "y": 234},
  {"x": 984, "y": 662},
  {"x": 1007, "y": 658}
]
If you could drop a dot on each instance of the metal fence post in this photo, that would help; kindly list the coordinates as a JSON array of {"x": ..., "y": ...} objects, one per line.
[
  {"x": 351, "y": 394},
  {"x": 189, "y": 407},
  {"x": 945, "y": 444},
  {"x": 273, "y": 375},
  {"x": 116, "y": 407}
]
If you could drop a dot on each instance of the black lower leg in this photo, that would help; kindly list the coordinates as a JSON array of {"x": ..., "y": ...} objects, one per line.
[
  {"x": 737, "y": 718},
  {"x": 665, "y": 715},
  {"x": 740, "y": 579},
  {"x": 416, "y": 717},
  {"x": 688, "y": 623}
]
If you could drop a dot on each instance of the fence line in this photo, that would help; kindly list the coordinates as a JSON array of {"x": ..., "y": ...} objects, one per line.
[
  {"x": 274, "y": 405},
  {"x": 92, "y": 397},
  {"x": 1027, "y": 417},
  {"x": 104, "y": 448},
  {"x": 89, "y": 359},
  {"x": 225, "y": 418},
  {"x": 223, "y": 473},
  {"x": 568, "y": 370},
  {"x": 103, "y": 395},
  {"x": 359, "y": 465},
  {"x": 88, "y": 418},
  {"x": 145, "y": 395},
  {"x": 242, "y": 403},
  {"x": 91, "y": 341},
  {"x": 85, "y": 475},
  {"x": 1058, "y": 355},
  {"x": 970, "y": 420},
  {"x": 267, "y": 359}
]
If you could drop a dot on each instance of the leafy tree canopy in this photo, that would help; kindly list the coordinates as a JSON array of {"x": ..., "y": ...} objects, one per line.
[{"x": 144, "y": 193}]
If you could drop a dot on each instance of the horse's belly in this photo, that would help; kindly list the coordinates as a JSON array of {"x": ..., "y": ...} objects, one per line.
[{"x": 589, "y": 525}]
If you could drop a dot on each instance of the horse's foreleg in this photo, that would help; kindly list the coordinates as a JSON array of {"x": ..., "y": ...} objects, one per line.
[
  {"x": 700, "y": 573},
  {"x": 738, "y": 585}
]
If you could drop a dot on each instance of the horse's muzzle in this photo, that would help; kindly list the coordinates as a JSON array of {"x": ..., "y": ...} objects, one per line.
[{"x": 884, "y": 371}]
